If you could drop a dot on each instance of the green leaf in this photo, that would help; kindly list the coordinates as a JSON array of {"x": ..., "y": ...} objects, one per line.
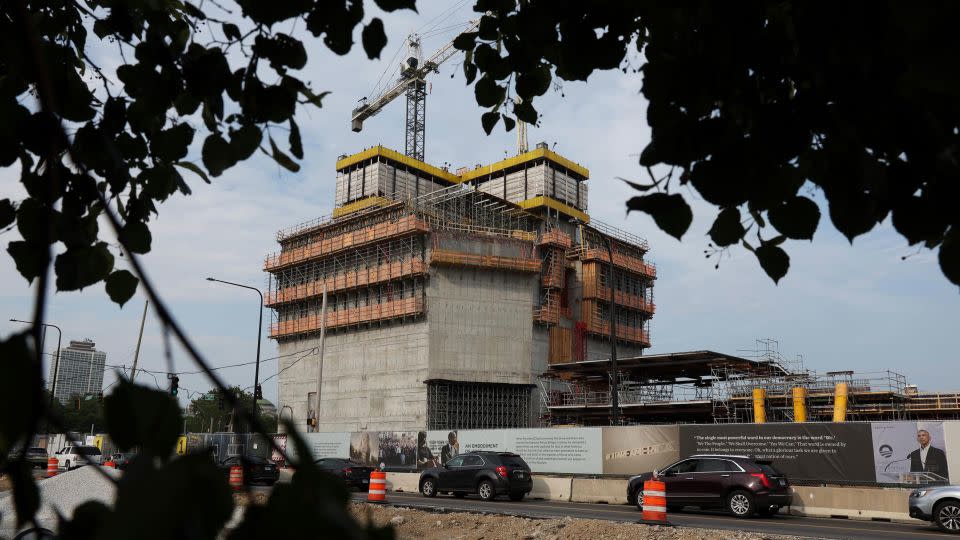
[
  {"x": 727, "y": 229},
  {"x": 797, "y": 218},
  {"x": 639, "y": 187},
  {"x": 190, "y": 166},
  {"x": 525, "y": 112},
  {"x": 949, "y": 255},
  {"x": 80, "y": 267},
  {"x": 374, "y": 38},
  {"x": 774, "y": 261},
  {"x": 231, "y": 30},
  {"x": 465, "y": 41},
  {"x": 19, "y": 381},
  {"x": 135, "y": 236},
  {"x": 282, "y": 159},
  {"x": 28, "y": 257},
  {"x": 393, "y": 5},
  {"x": 489, "y": 120},
  {"x": 245, "y": 141},
  {"x": 532, "y": 83},
  {"x": 670, "y": 212},
  {"x": 26, "y": 496},
  {"x": 8, "y": 213},
  {"x": 296, "y": 144},
  {"x": 281, "y": 50},
  {"x": 121, "y": 286},
  {"x": 489, "y": 93},
  {"x": 217, "y": 154},
  {"x": 508, "y": 123},
  {"x": 138, "y": 416},
  {"x": 171, "y": 144}
]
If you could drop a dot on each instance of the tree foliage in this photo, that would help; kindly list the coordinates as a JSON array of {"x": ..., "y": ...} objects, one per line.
[
  {"x": 760, "y": 107},
  {"x": 212, "y": 411}
]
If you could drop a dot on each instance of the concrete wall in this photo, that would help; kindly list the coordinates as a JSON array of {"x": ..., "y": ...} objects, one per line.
[
  {"x": 480, "y": 325},
  {"x": 373, "y": 379}
]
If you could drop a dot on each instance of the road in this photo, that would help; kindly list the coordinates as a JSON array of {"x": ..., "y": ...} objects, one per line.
[{"x": 781, "y": 524}]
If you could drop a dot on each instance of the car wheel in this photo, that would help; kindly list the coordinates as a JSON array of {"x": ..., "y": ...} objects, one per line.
[
  {"x": 428, "y": 488},
  {"x": 639, "y": 499},
  {"x": 517, "y": 496},
  {"x": 485, "y": 491},
  {"x": 740, "y": 504},
  {"x": 459, "y": 494},
  {"x": 946, "y": 514},
  {"x": 68, "y": 465}
]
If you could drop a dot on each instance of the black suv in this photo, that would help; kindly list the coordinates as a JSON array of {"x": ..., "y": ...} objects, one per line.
[
  {"x": 487, "y": 474},
  {"x": 739, "y": 484}
]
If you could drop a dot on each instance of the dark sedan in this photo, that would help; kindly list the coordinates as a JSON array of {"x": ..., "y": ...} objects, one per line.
[
  {"x": 256, "y": 470},
  {"x": 352, "y": 473},
  {"x": 123, "y": 459}
]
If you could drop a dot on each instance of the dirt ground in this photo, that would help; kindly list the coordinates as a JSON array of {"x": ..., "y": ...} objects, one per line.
[
  {"x": 5, "y": 483},
  {"x": 421, "y": 525}
]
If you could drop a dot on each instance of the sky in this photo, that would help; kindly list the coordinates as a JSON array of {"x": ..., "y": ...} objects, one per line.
[{"x": 840, "y": 307}]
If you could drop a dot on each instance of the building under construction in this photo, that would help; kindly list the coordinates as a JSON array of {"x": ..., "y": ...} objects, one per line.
[
  {"x": 710, "y": 387},
  {"x": 448, "y": 295}
]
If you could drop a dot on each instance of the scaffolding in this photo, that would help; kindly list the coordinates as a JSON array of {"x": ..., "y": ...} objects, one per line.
[{"x": 455, "y": 405}]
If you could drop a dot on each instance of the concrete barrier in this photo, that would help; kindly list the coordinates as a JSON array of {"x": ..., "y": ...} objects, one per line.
[
  {"x": 551, "y": 488},
  {"x": 599, "y": 490},
  {"x": 852, "y": 503},
  {"x": 403, "y": 482}
]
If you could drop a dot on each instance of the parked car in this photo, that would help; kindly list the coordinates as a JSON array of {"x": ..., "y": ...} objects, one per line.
[
  {"x": 35, "y": 456},
  {"x": 487, "y": 474},
  {"x": 71, "y": 457},
  {"x": 352, "y": 473},
  {"x": 122, "y": 459},
  {"x": 940, "y": 504},
  {"x": 739, "y": 484},
  {"x": 256, "y": 470}
]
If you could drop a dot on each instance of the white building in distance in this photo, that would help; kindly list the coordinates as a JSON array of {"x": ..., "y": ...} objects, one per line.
[{"x": 80, "y": 370}]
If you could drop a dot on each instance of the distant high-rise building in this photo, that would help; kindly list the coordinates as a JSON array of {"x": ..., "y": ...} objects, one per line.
[{"x": 80, "y": 371}]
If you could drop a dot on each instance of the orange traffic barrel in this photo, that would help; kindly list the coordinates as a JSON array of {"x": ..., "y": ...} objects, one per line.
[
  {"x": 110, "y": 463},
  {"x": 378, "y": 487},
  {"x": 236, "y": 477},
  {"x": 52, "y": 466},
  {"x": 655, "y": 502}
]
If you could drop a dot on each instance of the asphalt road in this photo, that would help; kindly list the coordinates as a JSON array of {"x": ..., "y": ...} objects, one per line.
[{"x": 781, "y": 524}]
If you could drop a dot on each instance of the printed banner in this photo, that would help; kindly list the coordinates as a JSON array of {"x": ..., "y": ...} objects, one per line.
[
  {"x": 561, "y": 450},
  {"x": 638, "y": 449},
  {"x": 910, "y": 452},
  {"x": 839, "y": 452}
]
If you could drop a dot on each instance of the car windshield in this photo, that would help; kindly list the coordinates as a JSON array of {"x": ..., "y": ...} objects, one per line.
[{"x": 87, "y": 450}]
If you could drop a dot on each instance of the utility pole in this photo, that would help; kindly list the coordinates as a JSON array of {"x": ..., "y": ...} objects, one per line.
[
  {"x": 136, "y": 354},
  {"x": 323, "y": 332}
]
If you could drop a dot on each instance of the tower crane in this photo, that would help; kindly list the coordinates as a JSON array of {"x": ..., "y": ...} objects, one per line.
[{"x": 413, "y": 73}]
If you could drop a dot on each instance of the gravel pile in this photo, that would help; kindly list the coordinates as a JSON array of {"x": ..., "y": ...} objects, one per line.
[
  {"x": 419, "y": 525},
  {"x": 62, "y": 493}
]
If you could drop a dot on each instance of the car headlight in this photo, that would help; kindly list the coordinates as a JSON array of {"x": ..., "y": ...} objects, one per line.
[{"x": 920, "y": 492}]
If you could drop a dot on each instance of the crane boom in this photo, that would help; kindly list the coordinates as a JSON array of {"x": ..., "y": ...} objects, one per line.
[{"x": 411, "y": 82}]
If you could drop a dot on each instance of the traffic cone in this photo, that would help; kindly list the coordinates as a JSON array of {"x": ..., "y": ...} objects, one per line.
[
  {"x": 654, "y": 503},
  {"x": 110, "y": 463},
  {"x": 378, "y": 487},
  {"x": 52, "y": 467},
  {"x": 236, "y": 477}
]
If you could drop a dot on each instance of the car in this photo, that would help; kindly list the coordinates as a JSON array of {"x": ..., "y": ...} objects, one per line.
[
  {"x": 256, "y": 470},
  {"x": 742, "y": 485},
  {"x": 939, "y": 504},
  {"x": 71, "y": 457},
  {"x": 122, "y": 459},
  {"x": 34, "y": 455},
  {"x": 354, "y": 474},
  {"x": 487, "y": 474}
]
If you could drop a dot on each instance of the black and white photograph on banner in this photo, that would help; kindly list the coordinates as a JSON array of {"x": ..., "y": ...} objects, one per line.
[
  {"x": 365, "y": 448},
  {"x": 426, "y": 458},
  {"x": 398, "y": 450},
  {"x": 910, "y": 452}
]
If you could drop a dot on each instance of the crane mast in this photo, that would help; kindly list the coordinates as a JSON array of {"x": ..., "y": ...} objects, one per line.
[{"x": 412, "y": 82}]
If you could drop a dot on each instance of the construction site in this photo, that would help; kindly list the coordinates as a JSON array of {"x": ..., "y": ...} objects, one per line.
[{"x": 487, "y": 297}]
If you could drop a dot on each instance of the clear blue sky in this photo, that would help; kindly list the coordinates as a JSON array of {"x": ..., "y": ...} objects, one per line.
[{"x": 841, "y": 307}]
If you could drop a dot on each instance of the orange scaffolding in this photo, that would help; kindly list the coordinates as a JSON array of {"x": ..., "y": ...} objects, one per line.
[
  {"x": 320, "y": 246},
  {"x": 622, "y": 260},
  {"x": 596, "y": 322},
  {"x": 347, "y": 280},
  {"x": 390, "y": 309},
  {"x": 498, "y": 262}
]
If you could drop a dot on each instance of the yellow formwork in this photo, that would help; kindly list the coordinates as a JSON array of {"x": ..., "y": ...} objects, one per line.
[
  {"x": 399, "y": 158},
  {"x": 362, "y": 204},
  {"x": 536, "y": 153},
  {"x": 759, "y": 406}
]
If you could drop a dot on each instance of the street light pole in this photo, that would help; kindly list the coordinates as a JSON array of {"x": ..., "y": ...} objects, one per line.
[
  {"x": 256, "y": 372},
  {"x": 56, "y": 362}
]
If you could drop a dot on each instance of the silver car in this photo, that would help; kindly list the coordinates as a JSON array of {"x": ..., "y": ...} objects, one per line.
[{"x": 939, "y": 504}]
